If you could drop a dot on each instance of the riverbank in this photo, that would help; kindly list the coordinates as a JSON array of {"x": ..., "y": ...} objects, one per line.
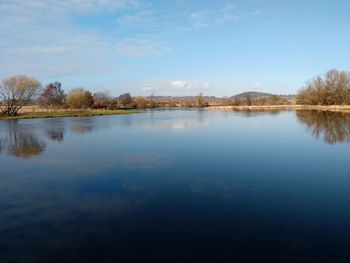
[
  {"x": 34, "y": 112},
  {"x": 26, "y": 114},
  {"x": 337, "y": 108}
]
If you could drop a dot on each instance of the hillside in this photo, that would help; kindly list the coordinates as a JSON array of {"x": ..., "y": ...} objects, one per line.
[
  {"x": 252, "y": 94},
  {"x": 259, "y": 95}
]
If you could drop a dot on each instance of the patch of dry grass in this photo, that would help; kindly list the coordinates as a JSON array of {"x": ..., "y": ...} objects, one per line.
[
  {"x": 33, "y": 112},
  {"x": 340, "y": 108}
]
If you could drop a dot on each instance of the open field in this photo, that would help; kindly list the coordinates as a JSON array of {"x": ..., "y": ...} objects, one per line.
[{"x": 32, "y": 112}]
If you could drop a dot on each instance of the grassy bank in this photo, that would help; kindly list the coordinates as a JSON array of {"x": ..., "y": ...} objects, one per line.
[
  {"x": 33, "y": 112},
  {"x": 26, "y": 114}
]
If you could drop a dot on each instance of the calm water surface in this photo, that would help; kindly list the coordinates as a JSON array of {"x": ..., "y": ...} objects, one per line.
[{"x": 176, "y": 186}]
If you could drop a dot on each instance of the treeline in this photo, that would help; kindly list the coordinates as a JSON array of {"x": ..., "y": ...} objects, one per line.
[
  {"x": 249, "y": 100},
  {"x": 79, "y": 98},
  {"x": 15, "y": 92},
  {"x": 263, "y": 101},
  {"x": 18, "y": 91},
  {"x": 54, "y": 96},
  {"x": 331, "y": 89}
]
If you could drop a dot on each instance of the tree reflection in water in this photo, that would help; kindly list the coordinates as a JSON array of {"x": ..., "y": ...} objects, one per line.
[
  {"x": 55, "y": 130},
  {"x": 55, "y": 135},
  {"x": 20, "y": 142},
  {"x": 334, "y": 127}
]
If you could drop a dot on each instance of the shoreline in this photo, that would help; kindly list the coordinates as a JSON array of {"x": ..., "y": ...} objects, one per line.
[
  {"x": 334, "y": 108},
  {"x": 66, "y": 114},
  {"x": 29, "y": 113}
]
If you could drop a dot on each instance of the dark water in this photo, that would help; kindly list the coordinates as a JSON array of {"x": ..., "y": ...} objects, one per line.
[{"x": 176, "y": 186}]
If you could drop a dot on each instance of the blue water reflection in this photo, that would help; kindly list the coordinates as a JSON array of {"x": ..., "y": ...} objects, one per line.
[{"x": 172, "y": 186}]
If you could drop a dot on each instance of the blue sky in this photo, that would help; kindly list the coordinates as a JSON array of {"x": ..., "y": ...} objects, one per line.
[{"x": 178, "y": 47}]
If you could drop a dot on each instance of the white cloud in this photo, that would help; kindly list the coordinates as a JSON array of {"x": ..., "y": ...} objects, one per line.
[
  {"x": 182, "y": 85},
  {"x": 226, "y": 15},
  {"x": 93, "y": 6},
  {"x": 50, "y": 51},
  {"x": 174, "y": 87},
  {"x": 40, "y": 37},
  {"x": 147, "y": 87},
  {"x": 141, "y": 47},
  {"x": 201, "y": 18},
  {"x": 143, "y": 18},
  {"x": 49, "y": 7}
]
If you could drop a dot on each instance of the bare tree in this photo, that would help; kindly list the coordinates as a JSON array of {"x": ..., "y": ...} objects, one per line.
[
  {"x": 125, "y": 99},
  {"x": 16, "y": 92},
  {"x": 53, "y": 95},
  {"x": 332, "y": 89},
  {"x": 201, "y": 101},
  {"x": 102, "y": 100}
]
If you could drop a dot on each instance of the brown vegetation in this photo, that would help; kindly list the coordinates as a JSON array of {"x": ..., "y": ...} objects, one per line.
[
  {"x": 79, "y": 99},
  {"x": 20, "y": 142},
  {"x": 126, "y": 100},
  {"x": 16, "y": 92},
  {"x": 102, "y": 100},
  {"x": 334, "y": 127},
  {"x": 331, "y": 89},
  {"x": 325, "y": 93},
  {"x": 263, "y": 101},
  {"x": 52, "y": 96}
]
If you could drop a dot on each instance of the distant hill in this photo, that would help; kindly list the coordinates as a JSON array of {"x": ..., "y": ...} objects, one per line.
[
  {"x": 185, "y": 98},
  {"x": 258, "y": 95},
  {"x": 252, "y": 94}
]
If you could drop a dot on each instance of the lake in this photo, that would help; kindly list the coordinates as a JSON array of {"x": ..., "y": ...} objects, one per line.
[{"x": 176, "y": 186}]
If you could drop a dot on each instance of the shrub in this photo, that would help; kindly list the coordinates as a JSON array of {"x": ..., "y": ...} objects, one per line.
[{"x": 79, "y": 99}]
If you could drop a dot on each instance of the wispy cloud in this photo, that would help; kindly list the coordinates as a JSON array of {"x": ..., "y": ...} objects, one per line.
[
  {"x": 228, "y": 14},
  {"x": 142, "y": 18},
  {"x": 57, "y": 39},
  {"x": 183, "y": 85},
  {"x": 93, "y": 6},
  {"x": 49, "y": 52},
  {"x": 141, "y": 47},
  {"x": 175, "y": 87},
  {"x": 67, "y": 6},
  {"x": 147, "y": 87},
  {"x": 40, "y": 37}
]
